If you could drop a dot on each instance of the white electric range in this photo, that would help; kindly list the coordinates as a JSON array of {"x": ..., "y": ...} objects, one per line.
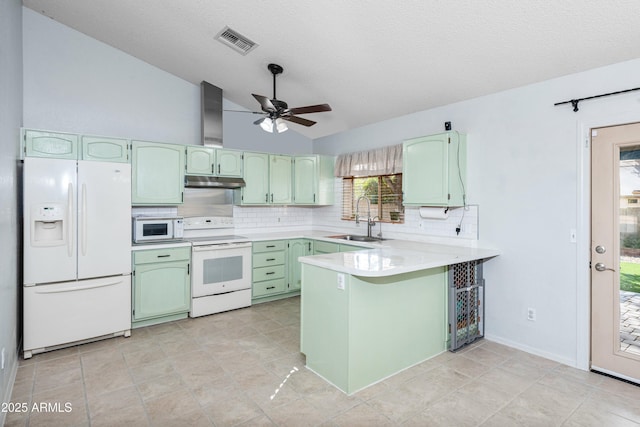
[{"x": 221, "y": 274}]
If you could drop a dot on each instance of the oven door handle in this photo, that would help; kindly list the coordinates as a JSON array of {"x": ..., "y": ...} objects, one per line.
[{"x": 221, "y": 246}]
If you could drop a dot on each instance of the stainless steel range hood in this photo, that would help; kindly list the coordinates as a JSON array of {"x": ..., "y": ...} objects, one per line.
[{"x": 211, "y": 107}]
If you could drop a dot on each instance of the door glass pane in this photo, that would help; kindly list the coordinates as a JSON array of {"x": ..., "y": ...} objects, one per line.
[
  {"x": 225, "y": 269},
  {"x": 630, "y": 249}
]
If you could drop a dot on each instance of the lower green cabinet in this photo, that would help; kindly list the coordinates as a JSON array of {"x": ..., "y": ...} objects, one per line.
[
  {"x": 322, "y": 247},
  {"x": 297, "y": 248},
  {"x": 161, "y": 285}
]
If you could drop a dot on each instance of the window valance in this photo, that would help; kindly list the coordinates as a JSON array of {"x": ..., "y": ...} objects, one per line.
[{"x": 381, "y": 161}]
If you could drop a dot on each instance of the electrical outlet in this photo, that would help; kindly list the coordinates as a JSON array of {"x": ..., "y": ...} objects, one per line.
[
  {"x": 531, "y": 314},
  {"x": 341, "y": 281}
]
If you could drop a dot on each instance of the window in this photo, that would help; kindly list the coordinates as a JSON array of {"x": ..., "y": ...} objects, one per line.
[{"x": 384, "y": 192}]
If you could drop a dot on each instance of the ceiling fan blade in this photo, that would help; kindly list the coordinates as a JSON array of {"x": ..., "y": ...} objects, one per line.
[
  {"x": 310, "y": 109},
  {"x": 298, "y": 120},
  {"x": 265, "y": 103},
  {"x": 259, "y": 121}
]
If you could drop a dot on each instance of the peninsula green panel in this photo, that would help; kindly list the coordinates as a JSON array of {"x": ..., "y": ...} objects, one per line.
[
  {"x": 105, "y": 149},
  {"x": 324, "y": 335},
  {"x": 229, "y": 163},
  {"x": 326, "y": 180},
  {"x": 50, "y": 144},
  {"x": 401, "y": 319},
  {"x": 157, "y": 176},
  {"x": 200, "y": 160},
  {"x": 280, "y": 180},
  {"x": 305, "y": 180},
  {"x": 256, "y": 177}
]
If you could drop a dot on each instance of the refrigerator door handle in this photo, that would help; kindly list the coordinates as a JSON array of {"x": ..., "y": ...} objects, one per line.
[
  {"x": 83, "y": 228},
  {"x": 70, "y": 219},
  {"x": 53, "y": 289}
]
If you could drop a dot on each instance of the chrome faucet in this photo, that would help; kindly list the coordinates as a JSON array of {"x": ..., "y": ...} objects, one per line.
[{"x": 370, "y": 222}]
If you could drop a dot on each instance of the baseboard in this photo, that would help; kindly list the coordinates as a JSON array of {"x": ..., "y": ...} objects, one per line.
[
  {"x": 532, "y": 350},
  {"x": 12, "y": 379}
]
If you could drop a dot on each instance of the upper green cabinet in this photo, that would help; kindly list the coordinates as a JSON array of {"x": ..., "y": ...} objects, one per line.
[
  {"x": 229, "y": 163},
  {"x": 280, "y": 179},
  {"x": 104, "y": 149},
  {"x": 268, "y": 179},
  {"x": 256, "y": 177},
  {"x": 200, "y": 160},
  {"x": 313, "y": 180},
  {"x": 157, "y": 173},
  {"x": 50, "y": 144},
  {"x": 434, "y": 170},
  {"x": 213, "y": 162}
]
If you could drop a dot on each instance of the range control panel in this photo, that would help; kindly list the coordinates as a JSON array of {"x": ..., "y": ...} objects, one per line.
[{"x": 208, "y": 222}]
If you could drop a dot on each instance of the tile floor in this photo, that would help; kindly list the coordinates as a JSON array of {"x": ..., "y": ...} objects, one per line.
[{"x": 224, "y": 370}]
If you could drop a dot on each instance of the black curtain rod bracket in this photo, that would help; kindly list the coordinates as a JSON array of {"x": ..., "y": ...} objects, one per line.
[{"x": 574, "y": 102}]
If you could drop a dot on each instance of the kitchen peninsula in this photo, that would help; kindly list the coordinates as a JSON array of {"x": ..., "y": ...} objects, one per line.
[{"x": 369, "y": 314}]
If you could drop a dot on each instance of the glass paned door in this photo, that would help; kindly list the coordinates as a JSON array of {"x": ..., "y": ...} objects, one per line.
[{"x": 615, "y": 251}]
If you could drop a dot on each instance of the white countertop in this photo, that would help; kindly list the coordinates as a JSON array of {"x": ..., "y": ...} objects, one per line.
[{"x": 384, "y": 258}]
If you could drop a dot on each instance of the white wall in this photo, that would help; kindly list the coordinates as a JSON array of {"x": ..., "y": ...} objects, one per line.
[
  {"x": 10, "y": 122},
  {"x": 74, "y": 83},
  {"x": 525, "y": 171}
]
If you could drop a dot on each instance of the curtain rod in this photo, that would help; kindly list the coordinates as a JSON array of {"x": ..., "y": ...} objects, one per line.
[{"x": 574, "y": 102}]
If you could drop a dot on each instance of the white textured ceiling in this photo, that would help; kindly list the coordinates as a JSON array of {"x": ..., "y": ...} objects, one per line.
[{"x": 370, "y": 60}]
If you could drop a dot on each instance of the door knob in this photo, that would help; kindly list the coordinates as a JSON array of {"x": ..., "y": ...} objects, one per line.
[
  {"x": 601, "y": 267},
  {"x": 600, "y": 249}
]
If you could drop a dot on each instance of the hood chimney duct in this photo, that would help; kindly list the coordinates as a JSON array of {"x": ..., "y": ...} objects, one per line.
[{"x": 211, "y": 102}]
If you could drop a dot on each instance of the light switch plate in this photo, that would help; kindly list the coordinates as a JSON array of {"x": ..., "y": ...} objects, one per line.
[{"x": 341, "y": 281}]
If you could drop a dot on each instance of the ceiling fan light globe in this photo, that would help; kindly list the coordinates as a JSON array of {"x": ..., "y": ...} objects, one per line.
[
  {"x": 281, "y": 126},
  {"x": 267, "y": 125}
]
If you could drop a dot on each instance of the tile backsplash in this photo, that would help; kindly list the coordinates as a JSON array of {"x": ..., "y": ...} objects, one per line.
[{"x": 268, "y": 217}]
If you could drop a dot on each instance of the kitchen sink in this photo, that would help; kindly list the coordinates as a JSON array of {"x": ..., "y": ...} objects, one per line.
[{"x": 356, "y": 238}]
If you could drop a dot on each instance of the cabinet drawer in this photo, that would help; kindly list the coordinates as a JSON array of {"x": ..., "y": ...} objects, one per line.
[
  {"x": 266, "y": 259},
  {"x": 268, "y": 287},
  {"x": 161, "y": 255},
  {"x": 268, "y": 273},
  {"x": 275, "y": 245}
]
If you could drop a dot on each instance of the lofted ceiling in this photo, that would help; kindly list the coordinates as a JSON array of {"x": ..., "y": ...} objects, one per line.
[{"x": 370, "y": 60}]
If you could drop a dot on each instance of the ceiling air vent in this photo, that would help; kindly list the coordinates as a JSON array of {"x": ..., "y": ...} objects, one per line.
[{"x": 235, "y": 41}]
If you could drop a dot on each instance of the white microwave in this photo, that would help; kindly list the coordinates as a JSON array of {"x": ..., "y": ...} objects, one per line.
[{"x": 155, "y": 229}]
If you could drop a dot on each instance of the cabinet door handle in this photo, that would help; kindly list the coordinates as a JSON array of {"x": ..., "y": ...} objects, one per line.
[
  {"x": 271, "y": 246},
  {"x": 218, "y": 168},
  {"x": 212, "y": 168},
  {"x": 270, "y": 272},
  {"x": 271, "y": 259},
  {"x": 266, "y": 198},
  {"x": 314, "y": 197},
  {"x": 271, "y": 197},
  {"x": 270, "y": 287},
  {"x": 163, "y": 256}
]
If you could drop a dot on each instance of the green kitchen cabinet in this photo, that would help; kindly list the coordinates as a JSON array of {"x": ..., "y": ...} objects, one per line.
[
  {"x": 280, "y": 182},
  {"x": 213, "y": 162},
  {"x": 104, "y": 149},
  {"x": 53, "y": 145},
  {"x": 350, "y": 248},
  {"x": 256, "y": 177},
  {"x": 297, "y": 248},
  {"x": 434, "y": 170},
  {"x": 322, "y": 247},
  {"x": 313, "y": 180},
  {"x": 268, "y": 180},
  {"x": 269, "y": 274},
  {"x": 228, "y": 163},
  {"x": 161, "y": 285},
  {"x": 157, "y": 173},
  {"x": 200, "y": 160}
]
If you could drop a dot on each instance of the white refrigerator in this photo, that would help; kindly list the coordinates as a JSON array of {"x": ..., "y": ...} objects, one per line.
[{"x": 77, "y": 252}]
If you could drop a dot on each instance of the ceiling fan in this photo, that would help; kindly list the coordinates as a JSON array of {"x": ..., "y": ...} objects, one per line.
[{"x": 277, "y": 112}]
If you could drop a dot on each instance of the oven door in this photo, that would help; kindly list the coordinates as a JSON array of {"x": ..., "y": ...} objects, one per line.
[{"x": 221, "y": 268}]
